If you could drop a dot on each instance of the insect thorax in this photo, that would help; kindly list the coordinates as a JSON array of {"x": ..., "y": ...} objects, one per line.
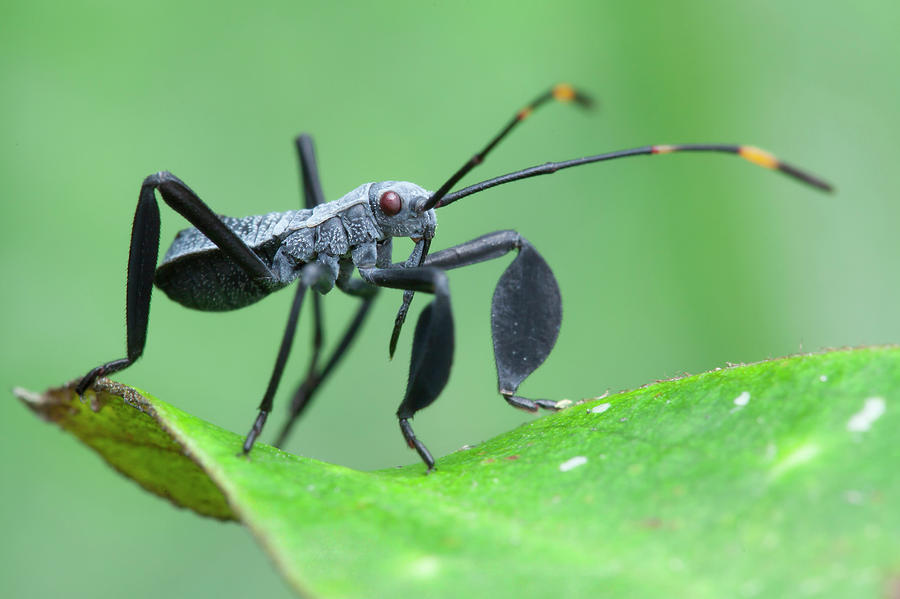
[{"x": 196, "y": 273}]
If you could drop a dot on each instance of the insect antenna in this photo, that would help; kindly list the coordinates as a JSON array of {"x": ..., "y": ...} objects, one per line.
[
  {"x": 561, "y": 92},
  {"x": 749, "y": 153}
]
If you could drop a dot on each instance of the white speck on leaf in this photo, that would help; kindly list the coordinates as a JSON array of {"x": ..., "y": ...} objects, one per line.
[
  {"x": 823, "y": 378},
  {"x": 571, "y": 463},
  {"x": 743, "y": 399},
  {"x": 600, "y": 408},
  {"x": 862, "y": 421}
]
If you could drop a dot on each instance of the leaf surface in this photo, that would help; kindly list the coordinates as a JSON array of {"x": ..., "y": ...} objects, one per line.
[{"x": 770, "y": 479}]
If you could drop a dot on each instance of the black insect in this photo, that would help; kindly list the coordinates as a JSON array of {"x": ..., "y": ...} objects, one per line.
[{"x": 227, "y": 263}]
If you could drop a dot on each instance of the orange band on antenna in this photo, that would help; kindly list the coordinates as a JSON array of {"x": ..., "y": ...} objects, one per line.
[
  {"x": 757, "y": 156},
  {"x": 564, "y": 92}
]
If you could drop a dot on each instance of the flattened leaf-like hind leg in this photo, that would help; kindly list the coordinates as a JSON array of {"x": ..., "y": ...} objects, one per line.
[
  {"x": 526, "y": 310},
  {"x": 144, "y": 252},
  {"x": 432, "y": 352},
  {"x": 526, "y": 314}
]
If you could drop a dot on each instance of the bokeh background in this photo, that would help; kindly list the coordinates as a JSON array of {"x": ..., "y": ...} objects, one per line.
[{"x": 667, "y": 265}]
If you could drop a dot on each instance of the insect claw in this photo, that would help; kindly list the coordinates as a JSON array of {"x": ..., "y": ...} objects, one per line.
[
  {"x": 82, "y": 386},
  {"x": 414, "y": 443},
  {"x": 255, "y": 430},
  {"x": 521, "y": 403},
  {"x": 548, "y": 404},
  {"x": 530, "y": 405}
]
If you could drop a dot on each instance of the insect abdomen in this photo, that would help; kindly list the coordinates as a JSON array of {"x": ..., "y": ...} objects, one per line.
[
  {"x": 197, "y": 274},
  {"x": 210, "y": 281}
]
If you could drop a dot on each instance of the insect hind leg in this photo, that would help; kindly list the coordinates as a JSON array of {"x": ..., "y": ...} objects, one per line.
[{"x": 144, "y": 251}]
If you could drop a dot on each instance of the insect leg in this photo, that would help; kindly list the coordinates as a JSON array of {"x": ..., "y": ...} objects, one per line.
[
  {"x": 312, "y": 197},
  {"x": 310, "y": 275},
  {"x": 309, "y": 172},
  {"x": 144, "y": 252},
  {"x": 314, "y": 379},
  {"x": 526, "y": 310},
  {"x": 432, "y": 351}
]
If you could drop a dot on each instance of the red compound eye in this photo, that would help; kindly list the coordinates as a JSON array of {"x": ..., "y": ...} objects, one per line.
[{"x": 390, "y": 203}]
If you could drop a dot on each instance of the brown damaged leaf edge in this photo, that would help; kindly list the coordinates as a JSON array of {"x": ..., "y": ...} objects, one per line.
[{"x": 124, "y": 428}]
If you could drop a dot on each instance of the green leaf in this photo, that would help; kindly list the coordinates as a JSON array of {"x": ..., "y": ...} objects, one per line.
[{"x": 773, "y": 479}]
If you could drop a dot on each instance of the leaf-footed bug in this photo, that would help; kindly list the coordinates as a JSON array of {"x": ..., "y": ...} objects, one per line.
[{"x": 226, "y": 263}]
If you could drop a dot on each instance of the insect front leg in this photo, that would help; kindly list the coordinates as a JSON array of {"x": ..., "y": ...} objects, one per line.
[
  {"x": 144, "y": 252},
  {"x": 432, "y": 351},
  {"x": 526, "y": 310}
]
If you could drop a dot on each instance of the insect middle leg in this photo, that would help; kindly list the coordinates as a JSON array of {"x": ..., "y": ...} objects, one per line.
[
  {"x": 311, "y": 275},
  {"x": 312, "y": 197},
  {"x": 315, "y": 376}
]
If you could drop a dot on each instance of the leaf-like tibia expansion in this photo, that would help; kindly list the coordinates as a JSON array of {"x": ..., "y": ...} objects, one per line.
[
  {"x": 432, "y": 357},
  {"x": 526, "y": 312}
]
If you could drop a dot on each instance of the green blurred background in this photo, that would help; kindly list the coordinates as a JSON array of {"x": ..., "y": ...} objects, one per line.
[{"x": 667, "y": 265}]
